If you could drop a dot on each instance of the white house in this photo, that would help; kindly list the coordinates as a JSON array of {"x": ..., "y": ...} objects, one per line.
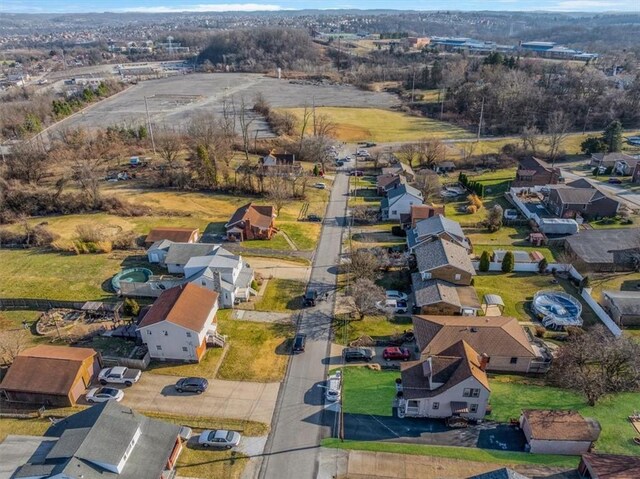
[
  {"x": 436, "y": 227},
  {"x": 452, "y": 383},
  {"x": 180, "y": 323},
  {"x": 223, "y": 272},
  {"x": 558, "y": 431},
  {"x": 178, "y": 254},
  {"x": 625, "y": 166},
  {"x": 157, "y": 252},
  {"x": 399, "y": 201}
]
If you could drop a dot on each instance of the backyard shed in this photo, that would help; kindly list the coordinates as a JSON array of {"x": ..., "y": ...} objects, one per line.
[
  {"x": 492, "y": 305},
  {"x": 558, "y": 431},
  {"x": 51, "y": 375},
  {"x": 609, "y": 466},
  {"x": 623, "y": 306}
]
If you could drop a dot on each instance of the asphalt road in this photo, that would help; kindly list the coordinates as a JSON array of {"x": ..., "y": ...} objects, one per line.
[{"x": 300, "y": 418}]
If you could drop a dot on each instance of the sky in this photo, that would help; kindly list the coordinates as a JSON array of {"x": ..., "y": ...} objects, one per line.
[{"x": 66, "y": 6}]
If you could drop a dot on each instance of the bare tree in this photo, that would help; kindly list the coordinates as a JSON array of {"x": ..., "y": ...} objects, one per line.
[
  {"x": 364, "y": 294},
  {"x": 557, "y": 131},
  {"x": 431, "y": 152},
  {"x": 428, "y": 183},
  {"x": 278, "y": 193},
  {"x": 468, "y": 148},
  {"x": 494, "y": 218},
  {"x": 27, "y": 162},
  {"x": 364, "y": 264},
  {"x": 306, "y": 117},
  {"x": 596, "y": 363},
  {"x": 12, "y": 343},
  {"x": 410, "y": 153},
  {"x": 530, "y": 137},
  {"x": 169, "y": 144},
  {"x": 246, "y": 119},
  {"x": 323, "y": 126}
]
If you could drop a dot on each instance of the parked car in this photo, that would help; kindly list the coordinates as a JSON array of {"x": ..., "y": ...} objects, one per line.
[
  {"x": 340, "y": 163},
  {"x": 347, "y": 158},
  {"x": 393, "y": 294},
  {"x": 615, "y": 181},
  {"x": 395, "y": 306},
  {"x": 314, "y": 218},
  {"x": 356, "y": 173},
  {"x": 104, "y": 394},
  {"x": 310, "y": 297},
  {"x": 510, "y": 214},
  {"x": 391, "y": 354},
  {"x": 369, "y": 145},
  {"x": 334, "y": 387},
  {"x": 219, "y": 438},
  {"x": 119, "y": 375},
  {"x": 192, "y": 385},
  {"x": 320, "y": 186},
  {"x": 299, "y": 343},
  {"x": 357, "y": 354}
]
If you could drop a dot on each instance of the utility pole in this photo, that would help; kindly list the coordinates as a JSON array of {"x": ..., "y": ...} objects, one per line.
[
  {"x": 442, "y": 95},
  {"x": 153, "y": 143},
  {"x": 586, "y": 118},
  {"x": 481, "y": 118},
  {"x": 413, "y": 83}
]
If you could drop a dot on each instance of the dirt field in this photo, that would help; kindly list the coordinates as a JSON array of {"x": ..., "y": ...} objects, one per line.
[{"x": 171, "y": 101}]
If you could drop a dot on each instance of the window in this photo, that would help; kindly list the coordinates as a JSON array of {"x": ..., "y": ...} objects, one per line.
[
  {"x": 514, "y": 361},
  {"x": 188, "y": 334},
  {"x": 426, "y": 275},
  {"x": 148, "y": 331},
  {"x": 413, "y": 403},
  {"x": 436, "y": 405},
  {"x": 394, "y": 212},
  {"x": 158, "y": 347},
  {"x": 473, "y": 408},
  {"x": 457, "y": 277},
  {"x": 471, "y": 392},
  {"x": 203, "y": 283},
  {"x": 184, "y": 348}
]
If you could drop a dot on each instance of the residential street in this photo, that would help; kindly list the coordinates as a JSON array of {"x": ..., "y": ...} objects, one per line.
[{"x": 299, "y": 419}]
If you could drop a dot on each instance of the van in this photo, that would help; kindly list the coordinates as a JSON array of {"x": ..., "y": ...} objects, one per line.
[
  {"x": 357, "y": 354},
  {"x": 334, "y": 386}
]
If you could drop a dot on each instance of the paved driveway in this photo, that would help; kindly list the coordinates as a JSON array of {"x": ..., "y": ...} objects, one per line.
[
  {"x": 227, "y": 399},
  {"x": 279, "y": 268}
]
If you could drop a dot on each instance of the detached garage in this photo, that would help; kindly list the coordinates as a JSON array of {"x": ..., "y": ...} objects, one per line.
[
  {"x": 558, "y": 432},
  {"x": 50, "y": 375}
]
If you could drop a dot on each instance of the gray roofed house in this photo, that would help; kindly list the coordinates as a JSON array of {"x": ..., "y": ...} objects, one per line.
[
  {"x": 179, "y": 254},
  {"x": 604, "y": 250},
  {"x": 608, "y": 160},
  {"x": 569, "y": 201},
  {"x": 108, "y": 441},
  {"x": 434, "y": 296},
  {"x": 442, "y": 259},
  {"x": 399, "y": 201},
  {"x": 623, "y": 306},
  {"x": 504, "y": 473},
  {"x": 437, "y": 226}
]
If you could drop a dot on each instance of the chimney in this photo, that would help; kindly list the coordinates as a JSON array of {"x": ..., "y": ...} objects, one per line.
[{"x": 484, "y": 360}]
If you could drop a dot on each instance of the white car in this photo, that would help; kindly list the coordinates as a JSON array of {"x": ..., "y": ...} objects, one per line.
[
  {"x": 347, "y": 159},
  {"x": 334, "y": 385},
  {"x": 393, "y": 294},
  {"x": 104, "y": 394},
  {"x": 219, "y": 438},
  {"x": 320, "y": 186},
  {"x": 510, "y": 214},
  {"x": 393, "y": 306}
]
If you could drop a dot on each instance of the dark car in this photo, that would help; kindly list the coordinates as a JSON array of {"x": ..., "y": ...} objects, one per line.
[
  {"x": 357, "y": 354},
  {"x": 340, "y": 163},
  {"x": 615, "y": 181},
  {"x": 192, "y": 385},
  {"x": 356, "y": 173},
  {"x": 314, "y": 218},
  {"x": 310, "y": 297},
  {"x": 299, "y": 343},
  {"x": 391, "y": 354}
]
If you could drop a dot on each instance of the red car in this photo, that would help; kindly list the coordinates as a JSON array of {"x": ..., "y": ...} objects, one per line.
[{"x": 390, "y": 354}]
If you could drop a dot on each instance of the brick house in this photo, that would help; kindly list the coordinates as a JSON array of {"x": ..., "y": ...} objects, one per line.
[
  {"x": 534, "y": 172},
  {"x": 251, "y": 222},
  {"x": 566, "y": 201},
  {"x": 442, "y": 259}
]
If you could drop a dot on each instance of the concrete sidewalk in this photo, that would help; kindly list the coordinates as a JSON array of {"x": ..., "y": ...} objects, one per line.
[
  {"x": 226, "y": 399},
  {"x": 261, "y": 316}
]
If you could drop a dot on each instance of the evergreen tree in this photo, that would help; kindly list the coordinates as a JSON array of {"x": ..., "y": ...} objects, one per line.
[
  {"x": 436, "y": 75},
  {"x": 424, "y": 77},
  {"x": 484, "y": 261},
  {"x": 508, "y": 262},
  {"x": 612, "y": 136}
]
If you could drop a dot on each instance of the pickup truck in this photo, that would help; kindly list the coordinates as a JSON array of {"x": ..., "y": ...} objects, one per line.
[{"x": 119, "y": 375}]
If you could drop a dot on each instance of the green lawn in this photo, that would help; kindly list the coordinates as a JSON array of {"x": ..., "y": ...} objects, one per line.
[
  {"x": 35, "y": 273},
  {"x": 281, "y": 295},
  {"x": 465, "y": 453},
  {"x": 378, "y": 327},
  {"x": 206, "y": 368},
  {"x": 375, "y": 124},
  {"x": 304, "y": 235},
  {"x": 378, "y": 387},
  {"x": 452, "y": 210},
  {"x": 257, "y": 351},
  {"x": 510, "y": 394},
  {"x": 277, "y": 242},
  {"x": 613, "y": 282},
  {"x": 546, "y": 251}
]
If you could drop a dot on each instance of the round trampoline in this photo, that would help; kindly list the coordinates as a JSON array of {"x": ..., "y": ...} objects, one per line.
[
  {"x": 557, "y": 309},
  {"x": 131, "y": 275}
]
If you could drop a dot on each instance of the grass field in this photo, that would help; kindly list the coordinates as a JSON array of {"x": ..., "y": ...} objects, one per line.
[
  {"x": 504, "y": 458},
  {"x": 613, "y": 282},
  {"x": 373, "y": 124},
  {"x": 378, "y": 327},
  {"x": 205, "y": 368},
  {"x": 281, "y": 295},
  {"x": 378, "y": 387},
  {"x": 257, "y": 351}
]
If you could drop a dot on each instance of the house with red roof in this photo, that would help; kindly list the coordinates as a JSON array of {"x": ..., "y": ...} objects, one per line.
[{"x": 251, "y": 222}]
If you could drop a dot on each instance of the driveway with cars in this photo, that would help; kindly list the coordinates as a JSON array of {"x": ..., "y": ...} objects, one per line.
[{"x": 225, "y": 399}]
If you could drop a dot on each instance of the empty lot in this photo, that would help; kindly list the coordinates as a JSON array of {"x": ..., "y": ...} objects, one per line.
[{"x": 172, "y": 101}]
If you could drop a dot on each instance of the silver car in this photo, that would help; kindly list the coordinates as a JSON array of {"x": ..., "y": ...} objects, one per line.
[
  {"x": 104, "y": 394},
  {"x": 219, "y": 438}
]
